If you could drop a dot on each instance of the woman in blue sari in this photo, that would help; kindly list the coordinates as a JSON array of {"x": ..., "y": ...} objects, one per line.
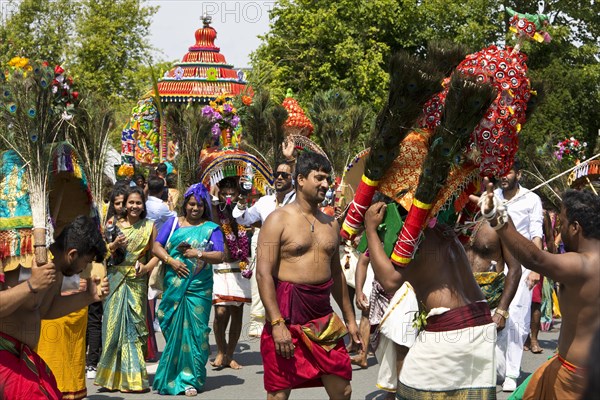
[{"x": 188, "y": 245}]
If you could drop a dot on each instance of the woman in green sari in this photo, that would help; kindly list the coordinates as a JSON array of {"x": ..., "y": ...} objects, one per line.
[
  {"x": 122, "y": 366},
  {"x": 188, "y": 245}
]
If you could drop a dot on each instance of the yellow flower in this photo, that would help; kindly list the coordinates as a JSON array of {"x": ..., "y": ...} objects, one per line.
[{"x": 213, "y": 105}]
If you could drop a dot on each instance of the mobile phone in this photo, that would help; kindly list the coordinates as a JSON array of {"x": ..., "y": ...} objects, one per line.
[{"x": 183, "y": 246}]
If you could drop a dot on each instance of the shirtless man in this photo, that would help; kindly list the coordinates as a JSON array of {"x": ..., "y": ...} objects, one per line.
[
  {"x": 578, "y": 272},
  {"x": 298, "y": 268},
  {"x": 487, "y": 258},
  {"x": 26, "y": 302},
  {"x": 459, "y": 335}
]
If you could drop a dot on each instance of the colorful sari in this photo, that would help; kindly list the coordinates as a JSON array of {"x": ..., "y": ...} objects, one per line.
[
  {"x": 122, "y": 365},
  {"x": 183, "y": 314}
]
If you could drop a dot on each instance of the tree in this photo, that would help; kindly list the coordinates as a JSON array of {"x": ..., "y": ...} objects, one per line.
[
  {"x": 262, "y": 123},
  {"x": 104, "y": 42},
  {"x": 320, "y": 45},
  {"x": 38, "y": 29},
  {"x": 338, "y": 124},
  {"x": 111, "y": 45}
]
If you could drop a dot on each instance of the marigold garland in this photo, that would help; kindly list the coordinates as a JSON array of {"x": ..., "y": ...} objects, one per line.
[{"x": 238, "y": 244}]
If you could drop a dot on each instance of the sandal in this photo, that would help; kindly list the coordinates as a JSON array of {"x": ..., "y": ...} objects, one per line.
[{"x": 191, "y": 392}]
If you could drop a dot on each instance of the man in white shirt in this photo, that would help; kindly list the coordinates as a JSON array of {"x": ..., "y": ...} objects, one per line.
[
  {"x": 156, "y": 209},
  {"x": 525, "y": 210},
  {"x": 255, "y": 216}
]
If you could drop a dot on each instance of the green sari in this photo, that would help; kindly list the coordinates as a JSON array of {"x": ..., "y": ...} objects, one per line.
[
  {"x": 184, "y": 314},
  {"x": 124, "y": 332}
]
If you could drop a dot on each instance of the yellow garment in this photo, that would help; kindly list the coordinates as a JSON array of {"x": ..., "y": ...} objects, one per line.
[
  {"x": 62, "y": 346},
  {"x": 555, "y": 305}
]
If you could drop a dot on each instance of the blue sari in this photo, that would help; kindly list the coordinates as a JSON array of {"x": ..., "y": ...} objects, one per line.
[{"x": 184, "y": 314}]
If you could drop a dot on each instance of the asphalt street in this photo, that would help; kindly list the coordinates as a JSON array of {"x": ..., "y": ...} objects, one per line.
[{"x": 247, "y": 383}]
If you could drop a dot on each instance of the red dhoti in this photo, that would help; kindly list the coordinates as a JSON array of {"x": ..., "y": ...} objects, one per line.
[
  {"x": 23, "y": 373},
  {"x": 316, "y": 334}
]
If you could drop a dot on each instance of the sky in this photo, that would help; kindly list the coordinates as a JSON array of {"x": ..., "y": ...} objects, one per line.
[{"x": 237, "y": 22}]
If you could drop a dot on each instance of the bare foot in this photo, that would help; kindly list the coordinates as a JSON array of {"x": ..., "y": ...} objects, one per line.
[
  {"x": 218, "y": 361},
  {"x": 535, "y": 348},
  {"x": 234, "y": 365},
  {"x": 359, "y": 360}
]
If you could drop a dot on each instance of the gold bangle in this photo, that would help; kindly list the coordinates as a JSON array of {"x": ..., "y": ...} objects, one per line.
[
  {"x": 167, "y": 259},
  {"x": 277, "y": 321},
  {"x": 502, "y": 313}
]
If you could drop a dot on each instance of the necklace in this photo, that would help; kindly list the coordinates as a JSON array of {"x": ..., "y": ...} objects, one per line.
[{"x": 312, "y": 226}]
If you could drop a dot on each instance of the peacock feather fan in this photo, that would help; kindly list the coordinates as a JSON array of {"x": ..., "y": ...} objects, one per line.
[
  {"x": 466, "y": 103},
  {"x": 412, "y": 83},
  {"x": 445, "y": 56}
]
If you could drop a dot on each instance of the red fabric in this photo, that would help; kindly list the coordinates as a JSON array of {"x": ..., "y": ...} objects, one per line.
[
  {"x": 151, "y": 344},
  {"x": 474, "y": 314},
  {"x": 536, "y": 295},
  {"x": 357, "y": 209},
  {"x": 298, "y": 305},
  {"x": 23, "y": 373},
  {"x": 413, "y": 225}
]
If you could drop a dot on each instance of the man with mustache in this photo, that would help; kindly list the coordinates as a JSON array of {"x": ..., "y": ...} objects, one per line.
[
  {"x": 298, "y": 269},
  {"x": 525, "y": 209},
  {"x": 578, "y": 271},
  {"x": 25, "y": 302}
]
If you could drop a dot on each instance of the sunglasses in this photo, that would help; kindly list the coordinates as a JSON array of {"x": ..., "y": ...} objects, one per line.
[{"x": 284, "y": 175}]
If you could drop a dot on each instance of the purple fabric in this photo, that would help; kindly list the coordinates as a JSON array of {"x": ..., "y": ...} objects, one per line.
[
  {"x": 163, "y": 235},
  {"x": 299, "y": 303},
  {"x": 200, "y": 193}
]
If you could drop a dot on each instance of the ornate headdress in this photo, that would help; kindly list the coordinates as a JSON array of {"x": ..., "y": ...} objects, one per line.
[{"x": 467, "y": 130}]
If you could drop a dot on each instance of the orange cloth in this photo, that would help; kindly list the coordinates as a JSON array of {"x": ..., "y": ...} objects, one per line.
[{"x": 556, "y": 379}]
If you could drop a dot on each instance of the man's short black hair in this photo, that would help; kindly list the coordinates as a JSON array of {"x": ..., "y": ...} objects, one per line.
[
  {"x": 583, "y": 207},
  {"x": 83, "y": 235},
  {"x": 231, "y": 182},
  {"x": 156, "y": 186},
  {"x": 162, "y": 168},
  {"x": 171, "y": 180},
  {"x": 516, "y": 165},
  {"x": 310, "y": 161}
]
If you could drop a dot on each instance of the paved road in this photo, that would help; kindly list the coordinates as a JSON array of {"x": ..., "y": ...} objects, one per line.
[{"x": 247, "y": 383}]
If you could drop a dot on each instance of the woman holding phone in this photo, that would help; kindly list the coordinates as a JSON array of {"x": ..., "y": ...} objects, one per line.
[
  {"x": 122, "y": 366},
  {"x": 188, "y": 245}
]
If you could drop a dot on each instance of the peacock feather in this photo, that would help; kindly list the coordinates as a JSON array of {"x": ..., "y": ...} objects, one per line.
[
  {"x": 412, "y": 83},
  {"x": 466, "y": 103}
]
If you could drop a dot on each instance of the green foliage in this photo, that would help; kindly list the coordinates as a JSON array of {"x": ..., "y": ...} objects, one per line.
[
  {"x": 111, "y": 46},
  {"x": 93, "y": 122},
  {"x": 338, "y": 122},
  {"x": 103, "y": 42},
  {"x": 262, "y": 123}
]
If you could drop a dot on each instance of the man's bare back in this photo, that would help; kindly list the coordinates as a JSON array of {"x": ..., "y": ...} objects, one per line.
[
  {"x": 484, "y": 249},
  {"x": 440, "y": 273},
  {"x": 24, "y": 323},
  {"x": 578, "y": 270}
]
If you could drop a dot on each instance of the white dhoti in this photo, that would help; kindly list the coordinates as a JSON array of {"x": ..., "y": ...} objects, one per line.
[
  {"x": 454, "y": 362},
  {"x": 509, "y": 348},
  {"x": 396, "y": 328},
  {"x": 229, "y": 287},
  {"x": 257, "y": 310}
]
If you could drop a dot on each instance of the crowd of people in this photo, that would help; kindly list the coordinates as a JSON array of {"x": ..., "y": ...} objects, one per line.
[{"x": 284, "y": 257}]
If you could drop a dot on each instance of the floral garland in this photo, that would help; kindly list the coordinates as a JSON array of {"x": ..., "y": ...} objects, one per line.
[
  {"x": 238, "y": 245},
  {"x": 570, "y": 149}
]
